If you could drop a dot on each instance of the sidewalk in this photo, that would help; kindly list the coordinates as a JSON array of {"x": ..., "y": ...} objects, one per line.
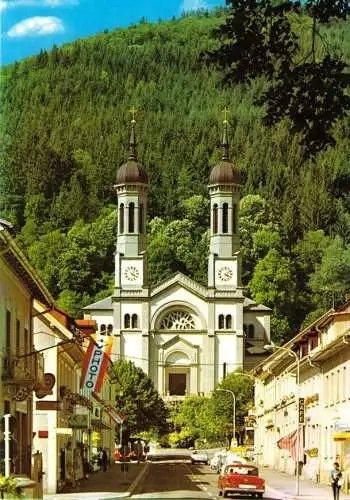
[
  {"x": 284, "y": 484},
  {"x": 106, "y": 485}
]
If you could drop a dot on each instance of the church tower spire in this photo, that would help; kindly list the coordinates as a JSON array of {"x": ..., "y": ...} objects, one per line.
[
  {"x": 132, "y": 191},
  {"x": 225, "y": 184}
]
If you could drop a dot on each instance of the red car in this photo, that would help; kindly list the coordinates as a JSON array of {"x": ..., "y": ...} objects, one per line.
[{"x": 242, "y": 479}]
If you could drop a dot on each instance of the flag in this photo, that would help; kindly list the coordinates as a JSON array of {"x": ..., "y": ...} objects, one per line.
[
  {"x": 95, "y": 362},
  {"x": 290, "y": 442}
]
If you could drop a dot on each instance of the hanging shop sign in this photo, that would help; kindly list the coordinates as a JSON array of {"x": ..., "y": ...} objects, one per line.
[{"x": 95, "y": 363}]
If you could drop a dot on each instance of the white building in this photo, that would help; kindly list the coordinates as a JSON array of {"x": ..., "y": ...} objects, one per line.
[
  {"x": 323, "y": 351},
  {"x": 68, "y": 422},
  {"x": 186, "y": 336}
]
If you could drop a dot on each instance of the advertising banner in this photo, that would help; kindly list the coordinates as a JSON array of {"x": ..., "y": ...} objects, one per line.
[{"x": 96, "y": 360}]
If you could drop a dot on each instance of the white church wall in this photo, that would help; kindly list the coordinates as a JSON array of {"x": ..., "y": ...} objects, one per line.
[
  {"x": 132, "y": 348},
  {"x": 259, "y": 321},
  {"x": 229, "y": 352},
  {"x": 102, "y": 318},
  {"x": 179, "y": 298}
]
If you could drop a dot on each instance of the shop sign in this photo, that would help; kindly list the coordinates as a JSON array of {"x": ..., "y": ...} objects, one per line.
[
  {"x": 342, "y": 427},
  {"x": 78, "y": 420},
  {"x": 64, "y": 431}
]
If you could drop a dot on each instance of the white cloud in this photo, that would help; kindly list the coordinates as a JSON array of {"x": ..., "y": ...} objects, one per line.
[
  {"x": 7, "y": 4},
  {"x": 36, "y": 26},
  {"x": 188, "y": 5}
]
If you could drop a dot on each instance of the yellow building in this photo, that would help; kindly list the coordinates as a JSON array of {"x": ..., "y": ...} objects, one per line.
[
  {"x": 323, "y": 354},
  {"x": 21, "y": 367}
]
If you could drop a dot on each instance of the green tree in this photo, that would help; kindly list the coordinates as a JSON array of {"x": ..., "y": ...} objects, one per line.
[
  {"x": 258, "y": 39},
  {"x": 330, "y": 280},
  {"x": 137, "y": 399}
]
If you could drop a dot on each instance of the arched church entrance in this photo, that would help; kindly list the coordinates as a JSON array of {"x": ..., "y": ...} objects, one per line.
[{"x": 177, "y": 374}]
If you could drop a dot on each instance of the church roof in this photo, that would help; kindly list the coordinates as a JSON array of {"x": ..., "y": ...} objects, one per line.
[
  {"x": 101, "y": 305},
  {"x": 132, "y": 172},
  {"x": 224, "y": 172},
  {"x": 251, "y": 305}
]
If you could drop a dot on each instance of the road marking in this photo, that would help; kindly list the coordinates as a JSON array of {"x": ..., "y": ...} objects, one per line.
[{"x": 196, "y": 479}]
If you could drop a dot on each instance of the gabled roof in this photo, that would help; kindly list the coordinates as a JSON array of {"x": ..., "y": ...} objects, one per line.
[
  {"x": 177, "y": 340},
  {"x": 251, "y": 305},
  {"x": 101, "y": 305},
  {"x": 20, "y": 265},
  {"x": 181, "y": 280}
]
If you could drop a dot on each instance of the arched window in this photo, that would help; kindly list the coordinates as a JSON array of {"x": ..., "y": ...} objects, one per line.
[
  {"x": 121, "y": 218},
  {"x": 127, "y": 321},
  {"x": 141, "y": 221},
  {"x": 134, "y": 321},
  {"x": 131, "y": 217},
  {"x": 103, "y": 329},
  {"x": 224, "y": 370},
  {"x": 245, "y": 329},
  {"x": 215, "y": 218},
  {"x": 250, "y": 333},
  {"x": 228, "y": 322},
  {"x": 221, "y": 322},
  {"x": 234, "y": 219},
  {"x": 109, "y": 329},
  {"x": 225, "y": 218}
]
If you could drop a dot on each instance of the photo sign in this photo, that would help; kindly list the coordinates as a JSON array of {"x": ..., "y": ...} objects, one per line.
[{"x": 95, "y": 362}]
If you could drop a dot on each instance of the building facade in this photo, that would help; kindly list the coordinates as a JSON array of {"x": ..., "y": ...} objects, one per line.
[
  {"x": 21, "y": 367},
  {"x": 186, "y": 336},
  {"x": 70, "y": 423},
  {"x": 323, "y": 351}
]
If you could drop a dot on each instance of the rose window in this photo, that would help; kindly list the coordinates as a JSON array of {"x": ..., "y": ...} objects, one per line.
[{"x": 178, "y": 320}]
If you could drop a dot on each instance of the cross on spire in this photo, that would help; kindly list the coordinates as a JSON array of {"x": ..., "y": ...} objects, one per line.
[
  {"x": 225, "y": 111},
  {"x": 133, "y": 111}
]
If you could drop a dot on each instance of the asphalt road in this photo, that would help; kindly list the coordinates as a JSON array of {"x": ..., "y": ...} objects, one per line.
[{"x": 170, "y": 479}]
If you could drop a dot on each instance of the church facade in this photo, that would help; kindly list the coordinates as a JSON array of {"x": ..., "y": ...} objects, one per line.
[{"x": 184, "y": 335}]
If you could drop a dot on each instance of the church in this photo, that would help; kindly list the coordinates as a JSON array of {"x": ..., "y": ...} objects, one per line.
[{"x": 187, "y": 337}]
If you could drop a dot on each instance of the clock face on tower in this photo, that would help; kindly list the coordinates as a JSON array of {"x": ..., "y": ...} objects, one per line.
[
  {"x": 131, "y": 273},
  {"x": 225, "y": 273}
]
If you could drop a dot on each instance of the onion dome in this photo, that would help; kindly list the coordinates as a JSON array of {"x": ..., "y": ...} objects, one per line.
[
  {"x": 132, "y": 172},
  {"x": 224, "y": 172}
]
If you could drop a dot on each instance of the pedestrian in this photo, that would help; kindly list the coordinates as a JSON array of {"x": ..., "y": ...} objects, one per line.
[
  {"x": 336, "y": 480},
  {"x": 104, "y": 460}
]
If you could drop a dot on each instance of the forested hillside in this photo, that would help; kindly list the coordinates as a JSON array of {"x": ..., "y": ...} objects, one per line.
[{"x": 64, "y": 133}]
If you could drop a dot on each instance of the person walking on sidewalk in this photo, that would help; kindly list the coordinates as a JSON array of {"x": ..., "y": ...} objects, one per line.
[{"x": 336, "y": 478}]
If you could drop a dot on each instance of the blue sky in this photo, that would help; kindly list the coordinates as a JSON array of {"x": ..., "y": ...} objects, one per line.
[{"x": 30, "y": 25}]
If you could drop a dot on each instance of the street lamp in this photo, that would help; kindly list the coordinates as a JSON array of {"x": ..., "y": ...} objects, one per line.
[
  {"x": 233, "y": 411},
  {"x": 272, "y": 347}
]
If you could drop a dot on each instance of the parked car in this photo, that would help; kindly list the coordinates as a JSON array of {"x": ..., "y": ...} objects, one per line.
[
  {"x": 199, "y": 457},
  {"x": 241, "y": 479}
]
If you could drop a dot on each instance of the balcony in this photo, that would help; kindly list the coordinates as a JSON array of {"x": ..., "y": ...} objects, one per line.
[{"x": 23, "y": 374}]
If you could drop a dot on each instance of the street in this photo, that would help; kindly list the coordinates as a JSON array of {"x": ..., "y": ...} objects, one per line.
[{"x": 175, "y": 479}]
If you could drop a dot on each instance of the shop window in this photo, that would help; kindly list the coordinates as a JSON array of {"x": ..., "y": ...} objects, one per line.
[
  {"x": 221, "y": 322},
  {"x": 225, "y": 218},
  {"x": 250, "y": 332},
  {"x": 228, "y": 322},
  {"x": 121, "y": 218},
  {"x": 134, "y": 322},
  {"x": 131, "y": 217},
  {"x": 127, "y": 321},
  {"x": 215, "y": 218}
]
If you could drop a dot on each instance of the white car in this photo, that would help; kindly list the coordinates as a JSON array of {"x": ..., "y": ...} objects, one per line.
[
  {"x": 199, "y": 457},
  {"x": 218, "y": 460}
]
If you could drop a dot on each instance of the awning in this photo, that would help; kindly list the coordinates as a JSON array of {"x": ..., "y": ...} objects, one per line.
[
  {"x": 341, "y": 436},
  {"x": 95, "y": 422}
]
